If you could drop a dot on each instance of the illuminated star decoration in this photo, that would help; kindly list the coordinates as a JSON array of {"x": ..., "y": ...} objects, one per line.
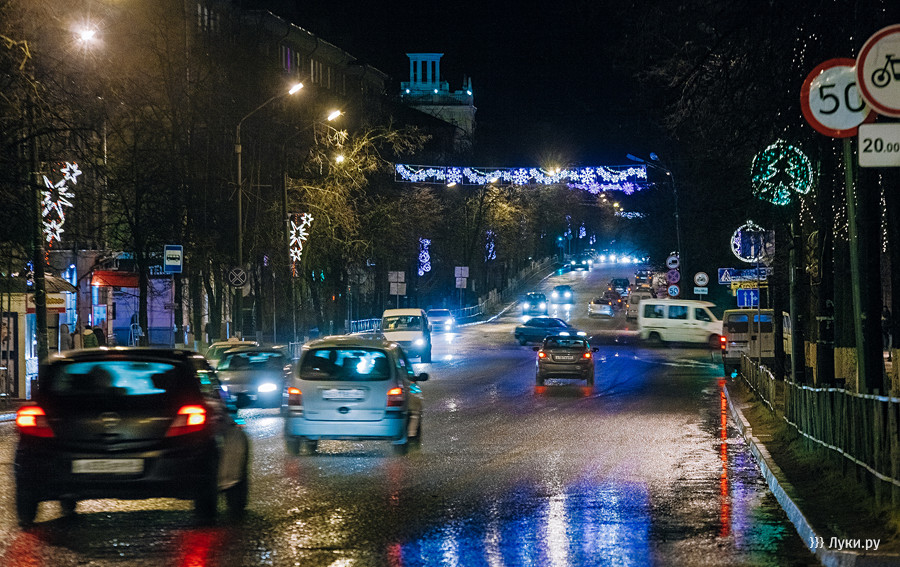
[
  {"x": 54, "y": 201},
  {"x": 424, "y": 256},
  {"x": 779, "y": 171},
  {"x": 298, "y": 236}
]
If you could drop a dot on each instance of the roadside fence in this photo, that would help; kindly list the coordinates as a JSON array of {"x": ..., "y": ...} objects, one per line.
[{"x": 863, "y": 428}]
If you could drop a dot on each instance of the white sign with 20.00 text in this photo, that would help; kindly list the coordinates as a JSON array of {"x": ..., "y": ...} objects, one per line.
[{"x": 879, "y": 145}]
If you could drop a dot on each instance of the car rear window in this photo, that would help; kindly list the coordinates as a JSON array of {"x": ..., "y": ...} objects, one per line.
[
  {"x": 560, "y": 342},
  {"x": 113, "y": 378},
  {"x": 253, "y": 361},
  {"x": 345, "y": 364}
]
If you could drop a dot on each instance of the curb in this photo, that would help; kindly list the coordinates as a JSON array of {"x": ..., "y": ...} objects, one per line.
[{"x": 787, "y": 497}]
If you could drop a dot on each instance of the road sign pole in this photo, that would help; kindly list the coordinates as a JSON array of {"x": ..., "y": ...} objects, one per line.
[{"x": 855, "y": 279}]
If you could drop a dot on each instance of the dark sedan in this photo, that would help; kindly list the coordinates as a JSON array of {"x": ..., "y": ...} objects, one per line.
[
  {"x": 129, "y": 423},
  {"x": 254, "y": 375},
  {"x": 536, "y": 328},
  {"x": 565, "y": 357}
]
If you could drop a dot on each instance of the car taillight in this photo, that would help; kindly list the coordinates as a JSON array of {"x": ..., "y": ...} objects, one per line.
[
  {"x": 587, "y": 355},
  {"x": 723, "y": 342},
  {"x": 31, "y": 420},
  {"x": 542, "y": 354},
  {"x": 188, "y": 420},
  {"x": 295, "y": 397},
  {"x": 395, "y": 397}
]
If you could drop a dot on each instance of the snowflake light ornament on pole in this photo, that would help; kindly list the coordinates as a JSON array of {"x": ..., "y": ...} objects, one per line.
[
  {"x": 300, "y": 224},
  {"x": 779, "y": 171},
  {"x": 424, "y": 256},
  {"x": 55, "y": 199}
]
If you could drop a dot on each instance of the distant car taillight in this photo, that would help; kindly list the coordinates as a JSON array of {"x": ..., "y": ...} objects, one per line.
[
  {"x": 295, "y": 397},
  {"x": 395, "y": 397},
  {"x": 723, "y": 342},
  {"x": 189, "y": 420},
  {"x": 31, "y": 420}
]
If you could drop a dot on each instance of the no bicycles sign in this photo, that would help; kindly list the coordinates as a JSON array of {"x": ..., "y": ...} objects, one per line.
[{"x": 878, "y": 71}]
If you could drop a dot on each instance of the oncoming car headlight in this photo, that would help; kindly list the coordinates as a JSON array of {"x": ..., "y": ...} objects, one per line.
[
  {"x": 267, "y": 387},
  {"x": 542, "y": 305},
  {"x": 420, "y": 342}
]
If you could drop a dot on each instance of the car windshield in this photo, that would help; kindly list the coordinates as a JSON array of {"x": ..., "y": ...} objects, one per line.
[
  {"x": 345, "y": 364},
  {"x": 564, "y": 342},
  {"x": 439, "y": 313},
  {"x": 112, "y": 378},
  {"x": 402, "y": 323},
  {"x": 253, "y": 360}
]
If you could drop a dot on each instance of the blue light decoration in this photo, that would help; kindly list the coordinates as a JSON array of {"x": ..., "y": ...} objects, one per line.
[
  {"x": 54, "y": 201},
  {"x": 424, "y": 256},
  {"x": 624, "y": 178},
  {"x": 752, "y": 243},
  {"x": 582, "y": 232},
  {"x": 630, "y": 215},
  {"x": 299, "y": 234},
  {"x": 779, "y": 171},
  {"x": 490, "y": 249}
]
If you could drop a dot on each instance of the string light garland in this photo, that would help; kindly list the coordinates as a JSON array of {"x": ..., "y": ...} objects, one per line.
[
  {"x": 424, "y": 256},
  {"x": 779, "y": 171},
  {"x": 299, "y": 234},
  {"x": 54, "y": 201},
  {"x": 626, "y": 179}
]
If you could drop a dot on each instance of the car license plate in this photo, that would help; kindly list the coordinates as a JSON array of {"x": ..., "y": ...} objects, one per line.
[
  {"x": 343, "y": 394},
  {"x": 565, "y": 357},
  {"x": 107, "y": 466}
]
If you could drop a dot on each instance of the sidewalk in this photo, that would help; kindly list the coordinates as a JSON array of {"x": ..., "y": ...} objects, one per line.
[{"x": 835, "y": 516}]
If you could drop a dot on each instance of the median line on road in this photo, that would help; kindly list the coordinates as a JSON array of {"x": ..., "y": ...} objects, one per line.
[{"x": 786, "y": 495}]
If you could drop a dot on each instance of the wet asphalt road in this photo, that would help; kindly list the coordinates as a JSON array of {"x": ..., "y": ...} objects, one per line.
[{"x": 645, "y": 469}]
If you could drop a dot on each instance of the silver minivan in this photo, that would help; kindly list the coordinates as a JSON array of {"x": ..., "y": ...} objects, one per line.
[{"x": 352, "y": 387}]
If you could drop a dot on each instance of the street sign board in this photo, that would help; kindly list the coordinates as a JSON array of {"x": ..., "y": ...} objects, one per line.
[
  {"x": 461, "y": 271},
  {"x": 673, "y": 276},
  {"x": 397, "y": 277},
  {"x": 701, "y": 279},
  {"x": 398, "y": 288},
  {"x": 878, "y": 71},
  {"x": 728, "y": 275},
  {"x": 237, "y": 277},
  {"x": 879, "y": 144},
  {"x": 748, "y": 298},
  {"x": 701, "y": 290},
  {"x": 173, "y": 259},
  {"x": 674, "y": 290},
  {"x": 461, "y": 283},
  {"x": 830, "y": 99},
  {"x": 673, "y": 262},
  {"x": 747, "y": 284}
]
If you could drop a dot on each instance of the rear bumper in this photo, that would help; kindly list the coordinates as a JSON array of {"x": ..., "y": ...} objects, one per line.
[
  {"x": 577, "y": 372},
  {"x": 393, "y": 427},
  {"x": 167, "y": 473}
]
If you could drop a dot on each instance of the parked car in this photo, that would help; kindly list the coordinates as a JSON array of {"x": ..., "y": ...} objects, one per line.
[
  {"x": 679, "y": 320},
  {"x": 562, "y": 294},
  {"x": 254, "y": 375},
  {"x": 441, "y": 320},
  {"x": 352, "y": 387},
  {"x": 216, "y": 350},
  {"x": 129, "y": 423},
  {"x": 600, "y": 307},
  {"x": 534, "y": 304},
  {"x": 565, "y": 357},
  {"x": 410, "y": 329},
  {"x": 750, "y": 332},
  {"x": 536, "y": 328}
]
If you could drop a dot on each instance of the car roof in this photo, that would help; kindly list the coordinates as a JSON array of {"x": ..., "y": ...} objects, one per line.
[
  {"x": 363, "y": 340},
  {"x": 125, "y": 353},
  {"x": 562, "y": 286},
  {"x": 396, "y": 312},
  {"x": 534, "y": 293}
]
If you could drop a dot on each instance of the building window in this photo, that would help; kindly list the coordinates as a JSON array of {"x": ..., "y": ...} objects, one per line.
[
  {"x": 207, "y": 20},
  {"x": 315, "y": 71},
  {"x": 287, "y": 58}
]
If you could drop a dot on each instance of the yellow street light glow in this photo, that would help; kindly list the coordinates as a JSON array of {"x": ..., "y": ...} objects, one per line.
[
  {"x": 87, "y": 35},
  {"x": 334, "y": 114},
  {"x": 295, "y": 88},
  {"x": 451, "y": 184},
  {"x": 339, "y": 159}
]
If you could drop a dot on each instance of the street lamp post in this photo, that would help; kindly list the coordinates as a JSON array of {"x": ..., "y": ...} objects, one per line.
[
  {"x": 658, "y": 165},
  {"x": 239, "y": 300}
]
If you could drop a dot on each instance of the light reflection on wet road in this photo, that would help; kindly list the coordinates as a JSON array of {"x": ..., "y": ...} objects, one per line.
[{"x": 646, "y": 469}]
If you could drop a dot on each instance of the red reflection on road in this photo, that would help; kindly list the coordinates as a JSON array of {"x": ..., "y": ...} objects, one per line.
[
  {"x": 24, "y": 551},
  {"x": 724, "y": 498},
  {"x": 199, "y": 547}
]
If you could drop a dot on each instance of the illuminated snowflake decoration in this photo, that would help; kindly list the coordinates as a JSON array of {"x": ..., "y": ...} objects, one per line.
[
  {"x": 490, "y": 249},
  {"x": 779, "y": 171},
  {"x": 629, "y": 215},
  {"x": 582, "y": 232},
  {"x": 424, "y": 256},
  {"x": 54, "y": 201},
  {"x": 298, "y": 236},
  {"x": 752, "y": 243},
  {"x": 627, "y": 179}
]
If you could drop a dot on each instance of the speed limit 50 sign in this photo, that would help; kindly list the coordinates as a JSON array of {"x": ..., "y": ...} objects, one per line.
[{"x": 831, "y": 101}]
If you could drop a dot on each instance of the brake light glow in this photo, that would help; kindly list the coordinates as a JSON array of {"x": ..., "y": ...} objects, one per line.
[
  {"x": 295, "y": 397},
  {"x": 542, "y": 354},
  {"x": 587, "y": 355},
  {"x": 723, "y": 342},
  {"x": 395, "y": 397},
  {"x": 189, "y": 420},
  {"x": 31, "y": 420}
]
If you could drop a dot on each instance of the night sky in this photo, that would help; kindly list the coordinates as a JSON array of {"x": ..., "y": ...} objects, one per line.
[{"x": 547, "y": 87}]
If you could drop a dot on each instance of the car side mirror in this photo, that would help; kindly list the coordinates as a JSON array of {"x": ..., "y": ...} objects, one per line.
[
  {"x": 535, "y": 349},
  {"x": 595, "y": 349},
  {"x": 422, "y": 377}
]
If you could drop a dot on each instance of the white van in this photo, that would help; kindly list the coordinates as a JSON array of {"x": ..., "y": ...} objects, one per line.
[
  {"x": 679, "y": 321},
  {"x": 410, "y": 329},
  {"x": 634, "y": 302},
  {"x": 750, "y": 332}
]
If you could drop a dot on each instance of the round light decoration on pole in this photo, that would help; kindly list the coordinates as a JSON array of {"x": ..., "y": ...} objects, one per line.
[
  {"x": 779, "y": 171},
  {"x": 752, "y": 243}
]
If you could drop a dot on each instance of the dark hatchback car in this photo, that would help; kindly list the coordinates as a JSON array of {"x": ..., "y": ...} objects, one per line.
[
  {"x": 535, "y": 329},
  {"x": 129, "y": 423},
  {"x": 565, "y": 357},
  {"x": 254, "y": 375}
]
